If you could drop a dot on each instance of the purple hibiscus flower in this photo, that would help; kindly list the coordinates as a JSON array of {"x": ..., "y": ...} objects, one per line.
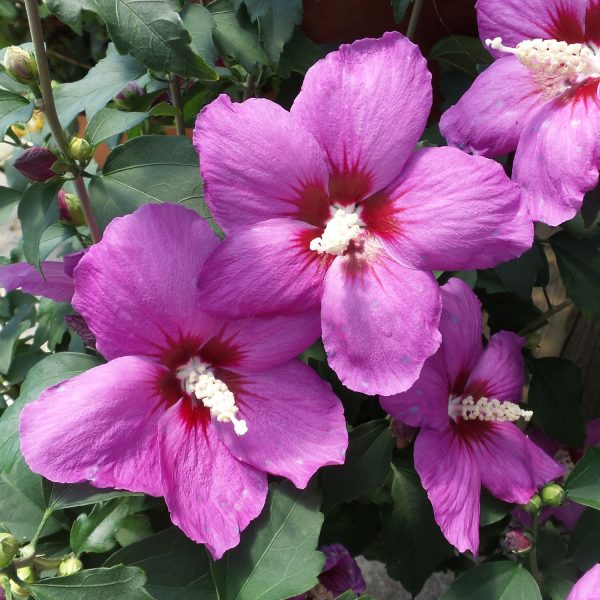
[
  {"x": 540, "y": 98},
  {"x": 188, "y": 407},
  {"x": 588, "y": 587},
  {"x": 56, "y": 282},
  {"x": 330, "y": 206},
  {"x": 465, "y": 403}
]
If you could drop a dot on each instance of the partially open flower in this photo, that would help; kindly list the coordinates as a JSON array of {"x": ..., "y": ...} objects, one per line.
[
  {"x": 21, "y": 65},
  {"x": 36, "y": 163},
  {"x": 518, "y": 541}
]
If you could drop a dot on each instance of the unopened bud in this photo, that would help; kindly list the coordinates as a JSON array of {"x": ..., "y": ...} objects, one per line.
[
  {"x": 80, "y": 149},
  {"x": 8, "y": 548},
  {"x": 17, "y": 591},
  {"x": 70, "y": 566},
  {"x": 553, "y": 494},
  {"x": 533, "y": 506},
  {"x": 27, "y": 551},
  {"x": 518, "y": 541},
  {"x": 36, "y": 163},
  {"x": 69, "y": 209},
  {"x": 27, "y": 574},
  {"x": 20, "y": 64}
]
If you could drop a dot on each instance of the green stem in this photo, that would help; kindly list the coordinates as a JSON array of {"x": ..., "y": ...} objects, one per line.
[
  {"x": 415, "y": 15},
  {"x": 535, "y": 571},
  {"x": 249, "y": 87},
  {"x": 177, "y": 103},
  {"x": 38, "y": 532},
  {"x": 541, "y": 320},
  {"x": 86, "y": 206}
]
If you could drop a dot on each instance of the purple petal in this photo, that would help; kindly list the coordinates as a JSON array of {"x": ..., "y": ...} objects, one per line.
[
  {"x": 379, "y": 320},
  {"x": 70, "y": 261},
  {"x": 137, "y": 288},
  {"x": 489, "y": 117},
  {"x": 367, "y": 105},
  {"x": 101, "y": 427},
  {"x": 451, "y": 477},
  {"x": 259, "y": 163},
  {"x": 450, "y": 211},
  {"x": 588, "y": 587},
  {"x": 557, "y": 158},
  {"x": 295, "y": 422},
  {"x": 210, "y": 494},
  {"x": 265, "y": 269},
  {"x": 54, "y": 284},
  {"x": 341, "y": 572},
  {"x": 35, "y": 163}
]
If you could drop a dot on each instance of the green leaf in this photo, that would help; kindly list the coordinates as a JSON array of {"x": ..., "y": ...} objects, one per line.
[
  {"x": 51, "y": 324},
  {"x": 152, "y": 32},
  {"x": 299, "y": 54},
  {"x": 101, "y": 84},
  {"x": 176, "y": 567},
  {"x": 400, "y": 7},
  {"x": 558, "y": 587},
  {"x": 412, "y": 542},
  {"x": 96, "y": 532},
  {"x": 579, "y": 265},
  {"x": 68, "y": 11},
  {"x": 13, "y": 109},
  {"x": 583, "y": 484},
  {"x": 38, "y": 209},
  {"x": 59, "y": 496},
  {"x": 492, "y": 509},
  {"x": 151, "y": 168},
  {"x": 584, "y": 546},
  {"x": 461, "y": 52},
  {"x": 366, "y": 468},
  {"x": 200, "y": 24},
  {"x": 108, "y": 122},
  {"x": 521, "y": 274},
  {"x": 350, "y": 595},
  {"x": 277, "y": 556},
  {"x": 555, "y": 398},
  {"x": 9, "y": 198},
  {"x": 502, "y": 580},
  {"x": 122, "y": 583},
  {"x": 11, "y": 332},
  {"x": 48, "y": 372}
]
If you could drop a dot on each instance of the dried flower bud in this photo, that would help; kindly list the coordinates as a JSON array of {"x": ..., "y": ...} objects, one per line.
[
  {"x": 534, "y": 505},
  {"x": 518, "y": 541},
  {"x": 70, "y": 566},
  {"x": 553, "y": 494},
  {"x": 80, "y": 149},
  {"x": 21, "y": 65},
  {"x": 8, "y": 548},
  {"x": 69, "y": 209},
  {"x": 36, "y": 163}
]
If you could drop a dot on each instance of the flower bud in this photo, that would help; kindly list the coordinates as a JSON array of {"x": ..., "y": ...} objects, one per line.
[
  {"x": 17, "y": 591},
  {"x": 69, "y": 209},
  {"x": 36, "y": 163},
  {"x": 70, "y": 566},
  {"x": 37, "y": 121},
  {"x": 21, "y": 65},
  {"x": 27, "y": 574},
  {"x": 534, "y": 505},
  {"x": 518, "y": 541},
  {"x": 80, "y": 149},
  {"x": 8, "y": 548},
  {"x": 553, "y": 494}
]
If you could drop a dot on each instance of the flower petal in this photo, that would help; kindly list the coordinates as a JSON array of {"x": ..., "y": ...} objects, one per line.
[
  {"x": 295, "y": 422},
  {"x": 137, "y": 288},
  {"x": 451, "y": 477},
  {"x": 210, "y": 494},
  {"x": 499, "y": 372},
  {"x": 101, "y": 427},
  {"x": 587, "y": 587},
  {"x": 489, "y": 117},
  {"x": 450, "y": 211},
  {"x": 379, "y": 320},
  {"x": 367, "y": 105},
  {"x": 258, "y": 163},
  {"x": 512, "y": 466},
  {"x": 341, "y": 572},
  {"x": 265, "y": 269},
  {"x": 557, "y": 158},
  {"x": 54, "y": 284}
]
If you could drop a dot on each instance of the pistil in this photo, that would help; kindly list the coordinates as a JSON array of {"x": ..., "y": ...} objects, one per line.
[{"x": 485, "y": 409}]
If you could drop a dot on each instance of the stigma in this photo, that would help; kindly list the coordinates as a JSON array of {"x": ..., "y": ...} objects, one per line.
[
  {"x": 200, "y": 382},
  {"x": 485, "y": 409},
  {"x": 344, "y": 226},
  {"x": 556, "y": 66}
]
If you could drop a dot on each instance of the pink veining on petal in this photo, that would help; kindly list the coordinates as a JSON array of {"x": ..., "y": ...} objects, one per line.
[
  {"x": 592, "y": 22},
  {"x": 566, "y": 25}
]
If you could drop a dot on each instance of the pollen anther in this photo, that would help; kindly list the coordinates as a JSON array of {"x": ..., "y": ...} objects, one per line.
[
  {"x": 485, "y": 409},
  {"x": 343, "y": 227}
]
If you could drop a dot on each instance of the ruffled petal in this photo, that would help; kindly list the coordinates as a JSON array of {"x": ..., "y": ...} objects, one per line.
[
  {"x": 211, "y": 495},
  {"x": 379, "y": 320},
  {"x": 258, "y": 163},
  {"x": 489, "y": 117},
  {"x": 451, "y": 477},
  {"x": 450, "y": 211},
  {"x": 587, "y": 587},
  {"x": 499, "y": 372},
  {"x": 54, "y": 284},
  {"x": 137, "y": 288},
  {"x": 367, "y": 105},
  {"x": 101, "y": 427},
  {"x": 558, "y": 155},
  {"x": 265, "y": 269},
  {"x": 295, "y": 422}
]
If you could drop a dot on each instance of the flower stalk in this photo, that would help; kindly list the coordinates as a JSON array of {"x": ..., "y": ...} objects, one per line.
[
  {"x": 415, "y": 16},
  {"x": 177, "y": 103},
  {"x": 541, "y": 320}
]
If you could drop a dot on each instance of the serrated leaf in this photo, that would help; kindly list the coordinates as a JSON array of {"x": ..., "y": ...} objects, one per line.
[
  {"x": 583, "y": 484},
  {"x": 59, "y": 496},
  {"x": 123, "y": 583},
  {"x": 108, "y": 122},
  {"x": 13, "y": 109},
  {"x": 502, "y": 580},
  {"x": 277, "y": 555},
  {"x": 152, "y": 32},
  {"x": 176, "y": 567}
]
